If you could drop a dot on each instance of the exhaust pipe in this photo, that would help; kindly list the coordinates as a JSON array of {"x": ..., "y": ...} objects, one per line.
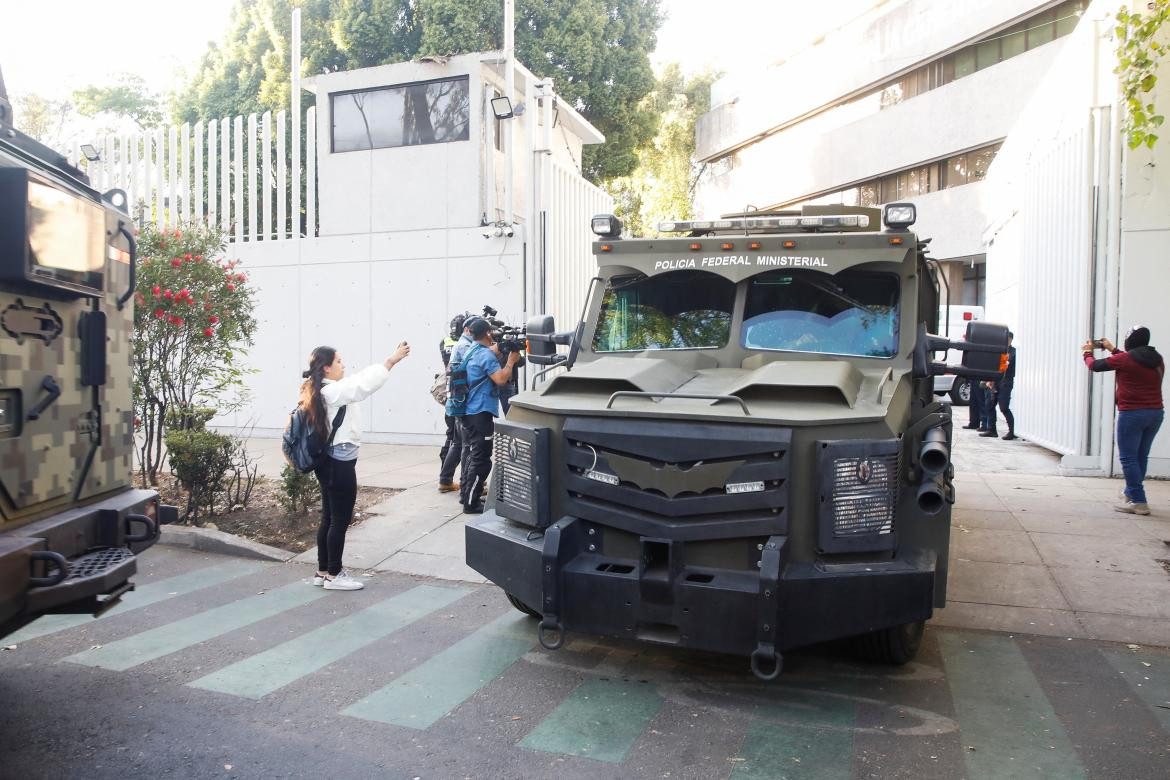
[
  {"x": 931, "y": 496},
  {"x": 935, "y": 456}
]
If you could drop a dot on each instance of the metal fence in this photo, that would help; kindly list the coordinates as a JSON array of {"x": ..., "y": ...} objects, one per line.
[{"x": 245, "y": 174}]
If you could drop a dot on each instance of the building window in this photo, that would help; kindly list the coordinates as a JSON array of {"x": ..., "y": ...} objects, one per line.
[
  {"x": 975, "y": 285},
  {"x": 428, "y": 112}
]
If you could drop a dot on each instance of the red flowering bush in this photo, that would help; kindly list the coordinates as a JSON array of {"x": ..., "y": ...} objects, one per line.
[{"x": 194, "y": 314}]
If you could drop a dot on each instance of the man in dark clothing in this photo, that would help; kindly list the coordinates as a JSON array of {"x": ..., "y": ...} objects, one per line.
[
  {"x": 975, "y": 408},
  {"x": 452, "y": 448},
  {"x": 1001, "y": 395},
  {"x": 1140, "y": 371}
]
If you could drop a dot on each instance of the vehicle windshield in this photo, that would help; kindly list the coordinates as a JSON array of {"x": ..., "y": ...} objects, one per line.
[
  {"x": 676, "y": 310},
  {"x": 850, "y": 313}
]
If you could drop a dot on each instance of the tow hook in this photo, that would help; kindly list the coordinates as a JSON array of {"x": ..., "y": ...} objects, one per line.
[
  {"x": 764, "y": 656},
  {"x": 557, "y": 632}
]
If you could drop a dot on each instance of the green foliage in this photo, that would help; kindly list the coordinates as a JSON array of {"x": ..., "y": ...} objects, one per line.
[
  {"x": 41, "y": 118},
  {"x": 597, "y": 52},
  {"x": 1141, "y": 46},
  {"x": 663, "y": 184},
  {"x": 193, "y": 313},
  {"x": 298, "y": 491},
  {"x": 128, "y": 97},
  {"x": 200, "y": 460}
]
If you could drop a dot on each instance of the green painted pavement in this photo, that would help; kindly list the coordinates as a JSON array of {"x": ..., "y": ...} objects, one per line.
[
  {"x": 151, "y": 593},
  {"x": 261, "y": 674},
  {"x": 1149, "y": 677},
  {"x": 1003, "y": 713},
  {"x": 173, "y": 637},
  {"x": 601, "y": 719},
  {"x": 429, "y": 691},
  {"x": 803, "y": 734}
]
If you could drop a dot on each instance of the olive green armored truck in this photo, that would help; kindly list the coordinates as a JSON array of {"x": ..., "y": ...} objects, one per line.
[
  {"x": 745, "y": 454},
  {"x": 70, "y": 520}
]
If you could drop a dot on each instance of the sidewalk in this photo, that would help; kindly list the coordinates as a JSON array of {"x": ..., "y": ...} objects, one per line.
[{"x": 1031, "y": 551}]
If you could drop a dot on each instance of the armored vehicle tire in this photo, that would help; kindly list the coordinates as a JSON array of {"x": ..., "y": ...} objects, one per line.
[
  {"x": 520, "y": 605},
  {"x": 961, "y": 392},
  {"x": 895, "y": 645}
]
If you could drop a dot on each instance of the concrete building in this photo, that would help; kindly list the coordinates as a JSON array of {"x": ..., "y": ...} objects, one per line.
[
  {"x": 935, "y": 87},
  {"x": 1077, "y": 245}
]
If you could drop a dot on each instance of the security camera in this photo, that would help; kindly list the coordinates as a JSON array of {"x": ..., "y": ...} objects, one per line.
[
  {"x": 506, "y": 231},
  {"x": 488, "y": 231}
]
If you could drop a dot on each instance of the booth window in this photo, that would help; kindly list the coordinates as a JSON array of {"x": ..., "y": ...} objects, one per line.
[{"x": 425, "y": 112}]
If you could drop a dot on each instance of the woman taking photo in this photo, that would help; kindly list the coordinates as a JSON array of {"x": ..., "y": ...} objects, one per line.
[
  {"x": 326, "y": 390},
  {"x": 1140, "y": 371}
]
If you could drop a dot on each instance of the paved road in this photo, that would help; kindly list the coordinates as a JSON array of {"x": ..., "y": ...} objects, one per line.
[{"x": 220, "y": 667}]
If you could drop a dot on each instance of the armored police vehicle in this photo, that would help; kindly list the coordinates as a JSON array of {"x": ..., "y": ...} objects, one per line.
[
  {"x": 70, "y": 522},
  {"x": 746, "y": 454}
]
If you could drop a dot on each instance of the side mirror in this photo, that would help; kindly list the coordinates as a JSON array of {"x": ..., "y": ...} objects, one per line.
[
  {"x": 542, "y": 350},
  {"x": 982, "y": 350}
]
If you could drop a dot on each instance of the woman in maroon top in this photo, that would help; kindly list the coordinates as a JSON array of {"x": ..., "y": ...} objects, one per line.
[{"x": 1140, "y": 370}]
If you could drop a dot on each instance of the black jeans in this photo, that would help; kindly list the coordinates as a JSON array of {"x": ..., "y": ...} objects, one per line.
[
  {"x": 477, "y": 461},
  {"x": 975, "y": 407},
  {"x": 1005, "y": 401},
  {"x": 338, "y": 480},
  {"x": 452, "y": 451}
]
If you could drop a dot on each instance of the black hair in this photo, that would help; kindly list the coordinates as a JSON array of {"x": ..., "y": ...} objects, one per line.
[{"x": 311, "y": 400}]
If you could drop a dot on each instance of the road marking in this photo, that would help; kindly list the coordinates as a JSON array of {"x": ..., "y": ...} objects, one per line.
[
  {"x": 261, "y": 674},
  {"x": 1006, "y": 725},
  {"x": 151, "y": 593},
  {"x": 601, "y": 720},
  {"x": 1151, "y": 683},
  {"x": 173, "y": 637},
  {"x": 804, "y": 734},
  {"x": 429, "y": 691}
]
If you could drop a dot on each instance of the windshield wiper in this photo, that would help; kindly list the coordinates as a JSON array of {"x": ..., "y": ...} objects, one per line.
[{"x": 837, "y": 293}]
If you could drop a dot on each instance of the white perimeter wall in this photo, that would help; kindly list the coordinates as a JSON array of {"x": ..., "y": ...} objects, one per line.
[{"x": 363, "y": 294}]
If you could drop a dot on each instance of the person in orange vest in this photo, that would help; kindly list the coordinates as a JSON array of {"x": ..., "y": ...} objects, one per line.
[{"x": 999, "y": 393}]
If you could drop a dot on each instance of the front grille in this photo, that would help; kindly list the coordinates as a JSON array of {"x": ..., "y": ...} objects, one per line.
[
  {"x": 668, "y": 478},
  {"x": 858, "y": 482},
  {"x": 520, "y": 474},
  {"x": 864, "y": 507},
  {"x": 513, "y": 459}
]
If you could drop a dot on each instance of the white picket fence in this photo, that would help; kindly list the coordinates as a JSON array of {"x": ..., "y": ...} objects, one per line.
[{"x": 225, "y": 172}]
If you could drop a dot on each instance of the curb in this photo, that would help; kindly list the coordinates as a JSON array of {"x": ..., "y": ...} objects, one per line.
[{"x": 215, "y": 541}]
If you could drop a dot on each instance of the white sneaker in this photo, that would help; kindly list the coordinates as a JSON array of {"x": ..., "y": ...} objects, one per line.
[
  {"x": 1133, "y": 508},
  {"x": 318, "y": 580},
  {"x": 343, "y": 582}
]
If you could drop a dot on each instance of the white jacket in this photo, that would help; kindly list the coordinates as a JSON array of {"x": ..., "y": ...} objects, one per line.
[{"x": 349, "y": 391}]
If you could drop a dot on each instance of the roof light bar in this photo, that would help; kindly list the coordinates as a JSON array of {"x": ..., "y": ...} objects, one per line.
[{"x": 767, "y": 223}]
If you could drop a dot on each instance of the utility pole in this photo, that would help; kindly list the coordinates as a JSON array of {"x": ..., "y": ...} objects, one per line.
[
  {"x": 510, "y": 90},
  {"x": 295, "y": 112}
]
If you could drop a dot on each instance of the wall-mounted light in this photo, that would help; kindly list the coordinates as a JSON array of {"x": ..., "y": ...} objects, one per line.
[
  {"x": 502, "y": 107},
  {"x": 91, "y": 153}
]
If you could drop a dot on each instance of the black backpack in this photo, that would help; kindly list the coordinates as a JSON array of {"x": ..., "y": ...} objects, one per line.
[{"x": 302, "y": 447}]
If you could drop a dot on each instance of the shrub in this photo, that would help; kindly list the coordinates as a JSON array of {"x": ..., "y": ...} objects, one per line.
[
  {"x": 200, "y": 460},
  {"x": 298, "y": 491}
]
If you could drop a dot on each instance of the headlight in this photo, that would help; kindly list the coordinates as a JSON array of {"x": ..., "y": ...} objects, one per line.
[
  {"x": 858, "y": 496},
  {"x": 520, "y": 473},
  {"x": 899, "y": 215},
  {"x": 607, "y": 226}
]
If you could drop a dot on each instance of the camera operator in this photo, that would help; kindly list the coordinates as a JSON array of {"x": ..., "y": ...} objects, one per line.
[
  {"x": 450, "y": 454},
  {"x": 482, "y": 362}
]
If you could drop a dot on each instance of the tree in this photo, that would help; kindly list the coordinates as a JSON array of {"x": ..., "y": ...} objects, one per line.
[
  {"x": 128, "y": 97},
  {"x": 41, "y": 118},
  {"x": 663, "y": 184},
  {"x": 597, "y": 52},
  {"x": 193, "y": 311}
]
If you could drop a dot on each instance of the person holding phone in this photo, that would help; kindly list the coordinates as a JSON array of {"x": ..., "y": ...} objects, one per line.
[
  {"x": 325, "y": 391},
  {"x": 1140, "y": 371}
]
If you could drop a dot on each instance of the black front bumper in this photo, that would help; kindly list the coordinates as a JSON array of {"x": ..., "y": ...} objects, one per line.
[
  {"x": 780, "y": 606},
  {"x": 79, "y": 560}
]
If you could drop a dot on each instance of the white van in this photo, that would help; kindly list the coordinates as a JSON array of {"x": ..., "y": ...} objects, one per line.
[{"x": 957, "y": 317}]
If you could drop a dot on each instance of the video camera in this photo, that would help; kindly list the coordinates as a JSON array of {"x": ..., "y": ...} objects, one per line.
[{"x": 509, "y": 338}]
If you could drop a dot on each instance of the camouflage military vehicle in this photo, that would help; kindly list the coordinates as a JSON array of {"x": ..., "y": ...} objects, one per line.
[
  {"x": 70, "y": 522},
  {"x": 746, "y": 455}
]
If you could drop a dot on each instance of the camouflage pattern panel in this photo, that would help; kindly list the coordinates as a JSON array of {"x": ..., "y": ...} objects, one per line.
[
  {"x": 41, "y": 458},
  {"x": 113, "y": 462}
]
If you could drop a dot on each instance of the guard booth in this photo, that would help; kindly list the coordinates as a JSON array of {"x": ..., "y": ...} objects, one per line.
[{"x": 411, "y": 197}]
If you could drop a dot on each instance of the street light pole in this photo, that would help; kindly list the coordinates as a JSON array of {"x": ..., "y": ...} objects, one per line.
[{"x": 510, "y": 91}]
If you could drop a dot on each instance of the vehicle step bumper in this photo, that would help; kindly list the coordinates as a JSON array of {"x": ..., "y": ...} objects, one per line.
[{"x": 780, "y": 606}]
